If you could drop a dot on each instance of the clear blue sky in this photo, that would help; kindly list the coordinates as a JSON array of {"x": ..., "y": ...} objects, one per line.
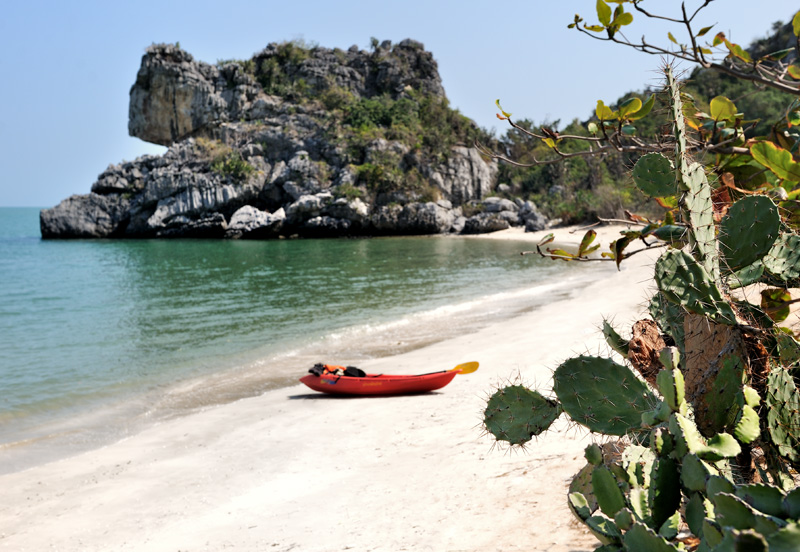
[{"x": 67, "y": 67}]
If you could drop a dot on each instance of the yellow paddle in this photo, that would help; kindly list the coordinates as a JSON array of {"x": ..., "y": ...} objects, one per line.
[{"x": 466, "y": 368}]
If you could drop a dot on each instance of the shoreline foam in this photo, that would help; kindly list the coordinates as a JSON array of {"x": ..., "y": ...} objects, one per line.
[{"x": 290, "y": 469}]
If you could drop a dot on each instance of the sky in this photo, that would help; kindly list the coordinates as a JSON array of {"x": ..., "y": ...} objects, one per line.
[{"x": 67, "y": 67}]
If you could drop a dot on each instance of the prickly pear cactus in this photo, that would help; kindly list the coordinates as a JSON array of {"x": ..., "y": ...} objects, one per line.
[
  {"x": 687, "y": 283},
  {"x": 783, "y": 413},
  {"x": 729, "y": 387},
  {"x": 602, "y": 395},
  {"x": 516, "y": 414},
  {"x": 783, "y": 259},
  {"x": 654, "y": 175},
  {"x": 748, "y": 231}
]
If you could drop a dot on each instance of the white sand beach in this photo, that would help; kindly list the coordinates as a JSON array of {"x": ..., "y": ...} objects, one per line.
[{"x": 296, "y": 470}]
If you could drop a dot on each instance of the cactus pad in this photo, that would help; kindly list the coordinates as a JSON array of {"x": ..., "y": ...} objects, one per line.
[
  {"x": 602, "y": 395},
  {"x": 614, "y": 340},
  {"x": 721, "y": 400},
  {"x": 665, "y": 490},
  {"x": 783, "y": 259},
  {"x": 748, "y": 231},
  {"x": 669, "y": 317},
  {"x": 653, "y": 175},
  {"x": 685, "y": 282},
  {"x": 515, "y": 414},
  {"x": 783, "y": 413},
  {"x": 606, "y": 491},
  {"x": 641, "y": 537}
]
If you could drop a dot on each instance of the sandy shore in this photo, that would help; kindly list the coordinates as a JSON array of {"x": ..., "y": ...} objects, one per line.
[{"x": 293, "y": 470}]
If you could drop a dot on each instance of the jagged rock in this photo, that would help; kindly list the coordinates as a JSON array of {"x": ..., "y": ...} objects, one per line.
[
  {"x": 250, "y": 222},
  {"x": 458, "y": 224},
  {"x": 496, "y": 205},
  {"x": 354, "y": 211},
  {"x": 465, "y": 176},
  {"x": 326, "y": 226},
  {"x": 307, "y": 207},
  {"x": 530, "y": 216},
  {"x": 483, "y": 223},
  {"x": 210, "y": 227},
  {"x": 85, "y": 216},
  {"x": 413, "y": 218},
  {"x": 173, "y": 96}
]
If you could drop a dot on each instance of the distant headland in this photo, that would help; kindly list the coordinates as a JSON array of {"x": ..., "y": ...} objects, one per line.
[{"x": 299, "y": 140}]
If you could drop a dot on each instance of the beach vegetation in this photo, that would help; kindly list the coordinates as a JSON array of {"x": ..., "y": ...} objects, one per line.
[
  {"x": 223, "y": 160},
  {"x": 348, "y": 191},
  {"x": 233, "y": 166},
  {"x": 705, "y": 405}
]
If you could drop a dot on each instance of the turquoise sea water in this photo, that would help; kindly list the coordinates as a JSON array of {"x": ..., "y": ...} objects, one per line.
[{"x": 99, "y": 337}]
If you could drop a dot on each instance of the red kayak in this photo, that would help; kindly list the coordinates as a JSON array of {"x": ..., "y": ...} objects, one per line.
[
  {"x": 384, "y": 384},
  {"x": 378, "y": 384}
]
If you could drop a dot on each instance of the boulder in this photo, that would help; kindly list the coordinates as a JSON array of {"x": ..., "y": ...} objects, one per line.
[
  {"x": 250, "y": 222},
  {"x": 85, "y": 216},
  {"x": 530, "y": 216},
  {"x": 325, "y": 226},
  {"x": 497, "y": 204},
  {"x": 413, "y": 218},
  {"x": 483, "y": 223}
]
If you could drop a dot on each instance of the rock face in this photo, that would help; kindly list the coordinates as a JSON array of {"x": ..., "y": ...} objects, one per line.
[{"x": 295, "y": 141}]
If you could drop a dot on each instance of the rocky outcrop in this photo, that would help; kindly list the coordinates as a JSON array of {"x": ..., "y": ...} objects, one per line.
[
  {"x": 87, "y": 216},
  {"x": 175, "y": 97},
  {"x": 272, "y": 147}
]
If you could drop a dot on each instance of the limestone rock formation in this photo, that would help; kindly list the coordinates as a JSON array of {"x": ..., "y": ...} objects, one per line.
[{"x": 295, "y": 141}]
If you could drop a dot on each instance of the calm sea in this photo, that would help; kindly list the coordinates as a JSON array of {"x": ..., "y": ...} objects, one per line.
[{"x": 100, "y": 337}]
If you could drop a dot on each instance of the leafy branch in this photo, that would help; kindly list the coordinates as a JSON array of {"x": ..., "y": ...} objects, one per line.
[{"x": 768, "y": 70}]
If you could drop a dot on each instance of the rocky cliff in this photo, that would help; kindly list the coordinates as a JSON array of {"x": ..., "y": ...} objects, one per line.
[{"x": 294, "y": 141}]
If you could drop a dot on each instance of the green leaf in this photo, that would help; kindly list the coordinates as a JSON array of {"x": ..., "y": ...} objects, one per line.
[
  {"x": 722, "y": 109},
  {"x": 560, "y": 253},
  {"x": 703, "y": 31},
  {"x": 604, "y": 112},
  {"x": 794, "y": 72},
  {"x": 644, "y": 110},
  {"x": 776, "y": 159},
  {"x": 738, "y": 51},
  {"x": 622, "y": 19},
  {"x": 796, "y": 24},
  {"x": 777, "y": 56},
  {"x": 672, "y": 38},
  {"x": 587, "y": 240},
  {"x": 594, "y": 28},
  {"x": 631, "y": 105},
  {"x": 628, "y": 130},
  {"x": 592, "y": 128},
  {"x": 604, "y": 13}
]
